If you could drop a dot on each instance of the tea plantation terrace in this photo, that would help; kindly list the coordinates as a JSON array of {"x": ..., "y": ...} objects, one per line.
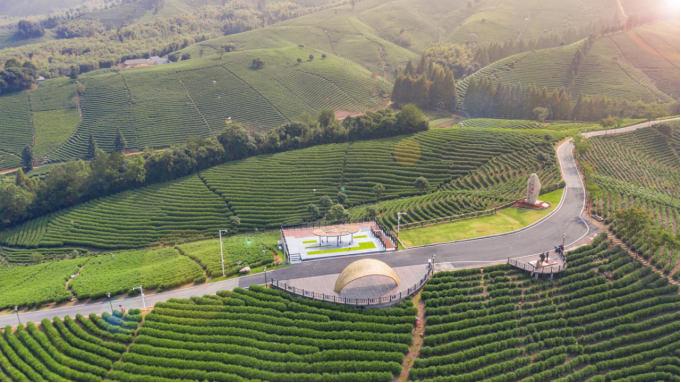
[
  {"x": 472, "y": 170},
  {"x": 565, "y": 220}
]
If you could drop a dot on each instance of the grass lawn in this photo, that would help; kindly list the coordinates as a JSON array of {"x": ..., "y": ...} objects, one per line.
[
  {"x": 505, "y": 220},
  {"x": 313, "y": 241},
  {"x": 362, "y": 246}
]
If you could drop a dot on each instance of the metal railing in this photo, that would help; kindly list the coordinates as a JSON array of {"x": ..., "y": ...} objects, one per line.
[
  {"x": 541, "y": 269},
  {"x": 312, "y": 225},
  {"x": 283, "y": 238},
  {"x": 393, "y": 298},
  {"x": 387, "y": 233}
]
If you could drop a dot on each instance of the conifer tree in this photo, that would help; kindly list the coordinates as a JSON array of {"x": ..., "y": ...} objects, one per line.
[
  {"x": 409, "y": 69},
  {"x": 119, "y": 142},
  {"x": 92, "y": 146},
  {"x": 28, "y": 158},
  {"x": 449, "y": 91}
]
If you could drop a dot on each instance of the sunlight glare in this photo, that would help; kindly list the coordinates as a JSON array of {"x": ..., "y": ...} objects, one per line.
[{"x": 674, "y": 3}]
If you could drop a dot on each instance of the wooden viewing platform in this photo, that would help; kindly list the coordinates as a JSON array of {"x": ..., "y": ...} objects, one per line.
[{"x": 558, "y": 264}]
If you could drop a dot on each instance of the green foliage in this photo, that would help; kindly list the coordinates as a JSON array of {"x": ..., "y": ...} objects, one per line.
[
  {"x": 15, "y": 77},
  {"x": 422, "y": 184},
  {"x": 336, "y": 213},
  {"x": 239, "y": 251},
  {"x": 252, "y": 187},
  {"x": 28, "y": 158},
  {"x": 378, "y": 190},
  {"x": 429, "y": 85},
  {"x": 540, "y": 114},
  {"x": 25, "y": 256},
  {"x": 161, "y": 269},
  {"x": 27, "y": 29},
  {"x": 32, "y": 286},
  {"x": 639, "y": 190},
  {"x": 523, "y": 329},
  {"x": 288, "y": 339},
  {"x": 119, "y": 142}
]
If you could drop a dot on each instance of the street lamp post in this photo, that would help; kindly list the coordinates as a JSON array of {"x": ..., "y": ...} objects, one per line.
[
  {"x": 399, "y": 217},
  {"x": 108, "y": 295},
  {"x": 563, "y": 242},
  {"x": 265, "y": 269},
  {"x": 144, "y": 304},
  {"x": 433, "y": 270},
  {"x": 16, "y": 310},
  {"x": 222, "y": 256}
]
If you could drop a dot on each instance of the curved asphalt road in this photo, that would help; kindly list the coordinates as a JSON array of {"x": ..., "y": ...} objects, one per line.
[{"x": 532, "y": 240}]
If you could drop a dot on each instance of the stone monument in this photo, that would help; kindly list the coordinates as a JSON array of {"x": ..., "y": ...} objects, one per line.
[
  {"x": 530, "y": 201},
  {"x": 533, "y": 188}
]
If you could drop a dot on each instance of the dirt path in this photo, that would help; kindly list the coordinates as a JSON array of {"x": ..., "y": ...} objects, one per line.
[
  {"x": 7, "y": 171},
  {"x": 73, "y": 296},
  {"x": 416, "y": 344}
]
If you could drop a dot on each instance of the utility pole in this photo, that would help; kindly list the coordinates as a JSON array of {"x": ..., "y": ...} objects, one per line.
[
  {"x": 141, "y": 292},
  {"x": 16, "y": 310},
  {"x": 399, "y": 217}
]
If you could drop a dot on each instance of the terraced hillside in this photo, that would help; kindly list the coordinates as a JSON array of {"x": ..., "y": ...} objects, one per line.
[
  {"x": 42, "y": 118},
  {"x": 620, "y": 65},
  {"x": 606, "y": 318},
  {"x": 33, "y": 286},
  {"x": 559, "y": 126},
  {"x": 241, "y": 335},
  {"x": 16, "y": 128},
  {"x": 270, "y": 190},
  {"x": 165, "y": 105},
  {"x": 338, "y": 32},
  {"x": 640, "y": 169},
  {"x": 129, "y": 219},
  {"x": 19, "y": 256},
  {"x": 482, "y": 177},
  {"x": 480, "y": 22},
  {"x": 87, "y": 277},
  {"x": 81, "y": 350}
]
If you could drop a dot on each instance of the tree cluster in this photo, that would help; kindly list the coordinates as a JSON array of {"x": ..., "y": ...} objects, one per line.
[
  {"x": 257, "y": 63},
  {"x": 485, "y": 98},
  {"x": 578, "y": 60},
  {"x": 27, "y": 29},
  {"x": 429, "y": 85},
  {"x": 465, "y": 60},
  {"x": 79, "y": 28},
  {"x": 16, "y": 76},
  {"x": 107, "y": 173},
  {"x": 91, "y": 44}
]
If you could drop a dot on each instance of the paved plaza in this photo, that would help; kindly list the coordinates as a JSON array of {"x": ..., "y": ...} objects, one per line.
[{"x": 334, "y": 241}]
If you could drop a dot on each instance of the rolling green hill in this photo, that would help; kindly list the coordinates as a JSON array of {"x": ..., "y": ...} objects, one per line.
[
  {"x": 164, "y": 105},
  {"x": 620, "y": 65},
  {"x": 337, "y": 31}
]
